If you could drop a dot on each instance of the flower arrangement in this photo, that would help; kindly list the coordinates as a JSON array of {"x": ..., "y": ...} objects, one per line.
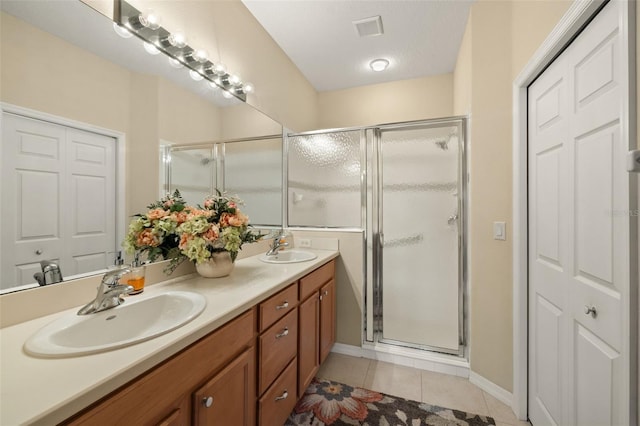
[
  {"x": 155, "y": 232},
  {"x": 171, "y": 229},
  {"x": 216, "y": 227}
]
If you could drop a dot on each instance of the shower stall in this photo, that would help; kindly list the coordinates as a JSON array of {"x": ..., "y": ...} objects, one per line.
[{"x": 404, "y": 187}]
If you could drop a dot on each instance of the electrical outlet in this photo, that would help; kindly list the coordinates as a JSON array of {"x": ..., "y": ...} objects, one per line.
[{"x": 304, "y": 242}]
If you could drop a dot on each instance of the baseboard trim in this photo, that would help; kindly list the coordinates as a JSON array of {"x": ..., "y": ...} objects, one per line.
[
  {"x": 409, "y": 358},
  {"x": 491, "y": 388}
]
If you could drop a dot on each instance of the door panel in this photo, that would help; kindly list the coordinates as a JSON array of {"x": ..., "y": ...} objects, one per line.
[
  {"x": 588, "y": 359},
  {"x": 420, "y": 261},
  {"x": 72, "y": 173}
]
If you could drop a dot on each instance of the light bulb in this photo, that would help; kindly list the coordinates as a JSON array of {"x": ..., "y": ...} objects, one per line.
[
  {"x": 151, "y": 48},
  {"x": 121, "y": 30},
  {"x": 213, "y": 85},
  {"x": 177, "y": 40},
  {"x": 220, "y": 69},
  {"x": 200, "y": 55},
  {"x": 176, "y": 63},
  {"x": 227, "y": 94},
  {"x": 150, "y": 19},
  {"x": 379, "y": 64},
  {"x": 195, "y": 75},
  {"x": 234, "y": 80},
  {"x": 248, "y": 87}
]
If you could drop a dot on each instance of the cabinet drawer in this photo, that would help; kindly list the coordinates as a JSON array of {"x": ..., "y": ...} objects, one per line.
[
  {"x": 278, "y": 346},
  {"x": 314, "y": 280},
  {"x": 278, "y": 402},
  {"x": 278, "y": 306}
]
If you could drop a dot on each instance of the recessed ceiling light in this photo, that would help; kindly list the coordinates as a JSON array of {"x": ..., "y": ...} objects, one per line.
[{"x": 379, "y": 64}]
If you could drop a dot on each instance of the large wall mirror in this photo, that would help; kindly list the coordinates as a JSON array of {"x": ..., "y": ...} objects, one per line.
[{"x": 87, "y": 119}]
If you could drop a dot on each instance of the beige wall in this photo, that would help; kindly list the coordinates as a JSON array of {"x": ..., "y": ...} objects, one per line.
[
  {"x": 462, "y": 75},
  {"x": 404, "y": 100},
  {"x": 492, "y": 55},
  {"x": 230, "y": 34}
]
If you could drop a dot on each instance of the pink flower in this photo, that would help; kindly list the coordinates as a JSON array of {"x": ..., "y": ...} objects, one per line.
[
  {"x": 184, "y": 239},
  {"x": 147, "y": 238},
  {"x": 179, "y": 217},
  {"x": 169, "y": 203},
  {"x": 238, "y": 219},
  {"x": 211, "y": 234},
  {"x": 232, "y": 205},
  {"x": 208, "y": 203},
  {"x": 156, "y": 214}
]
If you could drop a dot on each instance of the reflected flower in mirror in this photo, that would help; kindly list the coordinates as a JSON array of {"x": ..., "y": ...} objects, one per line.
[{"x": 155, "y": 233}]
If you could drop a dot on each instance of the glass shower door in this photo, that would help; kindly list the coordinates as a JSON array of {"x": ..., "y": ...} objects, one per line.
[{"x": 419, "y": 187}]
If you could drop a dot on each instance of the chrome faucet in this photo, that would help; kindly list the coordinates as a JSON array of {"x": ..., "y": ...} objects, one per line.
[
  {"x": 277, "y": 244},
  {"x": 110, "y": 293},
  {"x": 50, "y": 274}
]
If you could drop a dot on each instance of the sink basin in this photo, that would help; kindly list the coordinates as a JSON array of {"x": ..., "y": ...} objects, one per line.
[
  {"x": 132, "y": 322},
  {"x": 289, "y": 256}
]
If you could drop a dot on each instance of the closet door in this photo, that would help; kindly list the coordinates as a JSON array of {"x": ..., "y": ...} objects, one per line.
[
  {"x": 579, "y": 233},
  {"x": 59, "y": 199},
  {"x": 33, "y": 199}
]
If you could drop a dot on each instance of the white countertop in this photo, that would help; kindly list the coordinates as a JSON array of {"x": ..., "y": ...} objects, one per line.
[{"x": 48, "y": 391}]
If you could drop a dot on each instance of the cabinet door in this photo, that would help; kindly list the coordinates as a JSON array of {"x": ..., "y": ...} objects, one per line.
[
  {"x": 229, "y": 398},
  {"x": 327, "y": 319},
  {"x": 308, "y": 341}
]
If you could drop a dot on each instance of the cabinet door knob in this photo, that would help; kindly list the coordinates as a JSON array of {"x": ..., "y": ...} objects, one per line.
[
  {"x": 326, "y": 293},
  {"x": 38, "y": 252},
  {"x": 284, "y": 396},
  {"x": 283, "y": 333},
  {"x": 590, "y": 310},
  {"x": 207, "y": 401},
  {"x": 285, "y": 305}
]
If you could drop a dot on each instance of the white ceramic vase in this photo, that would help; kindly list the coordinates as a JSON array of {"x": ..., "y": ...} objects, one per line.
[{"x": 219, "y": 265}]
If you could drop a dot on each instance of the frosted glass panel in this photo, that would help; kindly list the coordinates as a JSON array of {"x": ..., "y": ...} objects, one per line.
[
  {"x": 324, "y": 180},
  {"x": 420, "y": 252},
  {"x": 192, "y": 172},
  {"x": 253, "y": 171}
]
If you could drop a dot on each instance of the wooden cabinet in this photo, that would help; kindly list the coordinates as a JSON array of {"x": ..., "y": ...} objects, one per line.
[
  {"x": 308, "y": 341},
  {"x": 327, "y": 318},
  {"x": 163, "y": 395},
  {"x": 228, "y": 399},
  {"x": 278, "y": 348},
  {"x": 316, "y": 322},
  {"x": 251, "y": 370}
]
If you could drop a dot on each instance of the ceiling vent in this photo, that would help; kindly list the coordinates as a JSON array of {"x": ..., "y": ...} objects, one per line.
[{"x": 369, "y": 26}]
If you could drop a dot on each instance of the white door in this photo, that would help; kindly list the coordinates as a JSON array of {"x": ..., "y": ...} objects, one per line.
[
  {"x": 579, "y": 253},
  {"x": 58, "y": 193}
]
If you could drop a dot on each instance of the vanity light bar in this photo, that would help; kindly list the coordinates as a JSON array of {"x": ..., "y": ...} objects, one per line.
[{"x": 146, "y": 26}]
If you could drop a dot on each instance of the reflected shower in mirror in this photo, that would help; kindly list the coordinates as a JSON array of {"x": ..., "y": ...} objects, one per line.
[{"x": 90, "y": 110}]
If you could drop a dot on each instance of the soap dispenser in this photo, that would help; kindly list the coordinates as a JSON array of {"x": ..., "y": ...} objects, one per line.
[{"x": 135, "y": 278}]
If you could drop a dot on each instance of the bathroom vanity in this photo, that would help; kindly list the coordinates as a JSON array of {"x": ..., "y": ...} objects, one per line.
[{"x": 245, "y": 360}]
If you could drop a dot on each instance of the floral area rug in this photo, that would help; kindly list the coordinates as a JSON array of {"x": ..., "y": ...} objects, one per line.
[{"x": 331, "y": 403}]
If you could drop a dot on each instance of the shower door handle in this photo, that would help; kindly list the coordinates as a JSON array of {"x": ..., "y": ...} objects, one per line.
[
  {"x": 381, "y": 239},
  {"x": 452, "y": 219}
]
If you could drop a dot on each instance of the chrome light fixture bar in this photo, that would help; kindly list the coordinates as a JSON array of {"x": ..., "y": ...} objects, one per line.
[{"x": 147, "y": 27}]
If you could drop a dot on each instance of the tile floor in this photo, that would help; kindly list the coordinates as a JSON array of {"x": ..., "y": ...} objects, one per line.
[{"x": 418, "y": 385}]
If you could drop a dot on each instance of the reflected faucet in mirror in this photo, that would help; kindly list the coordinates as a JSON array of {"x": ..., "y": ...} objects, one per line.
[{"x": 50, "y": 274}]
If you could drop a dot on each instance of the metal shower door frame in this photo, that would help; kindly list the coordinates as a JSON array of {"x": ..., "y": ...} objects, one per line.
[{"x": 375, "y": 231}]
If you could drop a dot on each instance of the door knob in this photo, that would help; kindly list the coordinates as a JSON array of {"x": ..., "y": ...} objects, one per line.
[
  {"x": 590, "y": 310},
  {"x": 38, "y": 252},
  {"x": 207, "y": 401}
]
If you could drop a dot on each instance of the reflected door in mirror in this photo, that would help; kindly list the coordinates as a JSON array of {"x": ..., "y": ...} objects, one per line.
[{"x": 58, "y": 192}]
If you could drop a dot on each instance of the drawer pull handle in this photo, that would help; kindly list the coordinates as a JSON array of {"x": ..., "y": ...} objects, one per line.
[
  {"x": 285, "y": 305},
  {"x": 283, "y": 333},
  {"x": 282, "y": 397},
  {"x": 207, "y": 401}
]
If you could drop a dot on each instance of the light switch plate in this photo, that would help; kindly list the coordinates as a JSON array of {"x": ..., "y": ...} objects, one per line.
[
  {"x": 304, "y": 242},
  {"x": 499, "y": 231}
]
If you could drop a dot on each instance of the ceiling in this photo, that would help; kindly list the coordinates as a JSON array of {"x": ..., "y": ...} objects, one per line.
[{"x": 421, "y": 37}]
